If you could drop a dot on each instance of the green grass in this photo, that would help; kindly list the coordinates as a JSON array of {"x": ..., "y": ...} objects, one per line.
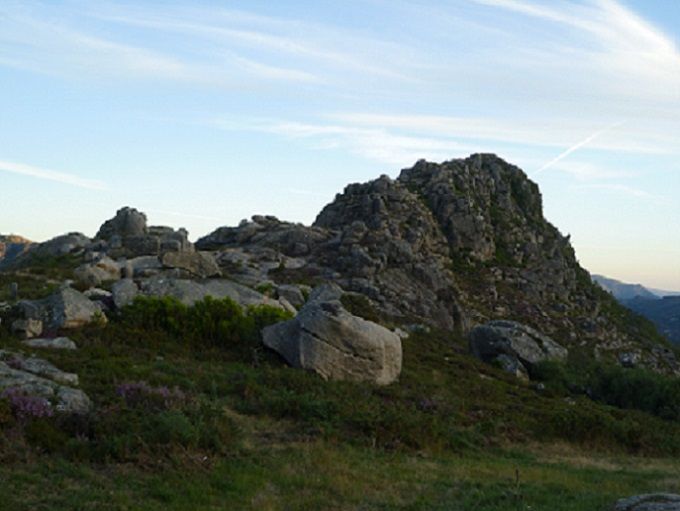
[
  {"x": 321, "y": 475},
  {"x": 252, "y": 433}
]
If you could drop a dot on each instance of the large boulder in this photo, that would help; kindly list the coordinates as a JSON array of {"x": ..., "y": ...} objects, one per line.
[
  {"x": 34, "y": 377},
  {"x": 514, "y": 346},
  {"x": 95, "y": 273},
  {"x": 649, "y": 502},
  {"x": 67, "y": 308},
  {"x": 124, "y": 292},
  {"x": 198, "y": 264},
  {"x": 337, "y": 345}
]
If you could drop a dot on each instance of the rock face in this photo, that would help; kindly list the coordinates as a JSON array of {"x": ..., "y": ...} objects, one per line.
[
  {"x": 389, "y": 247},
  {"x": 330, "y": 341},
  {"x": 127, "y": 223},
  {"x": 514, "y": 346},
  {"x": 67, "y": 308},
  {"x": 650, "y": 502},
  {"x": 37, "y": 377}
]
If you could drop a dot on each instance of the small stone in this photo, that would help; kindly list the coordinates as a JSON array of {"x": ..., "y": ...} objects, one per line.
[
  {"x": 27, "y": 328},
  {"x": 58, "y": 343},
  {"x": 650, "y": 502}
]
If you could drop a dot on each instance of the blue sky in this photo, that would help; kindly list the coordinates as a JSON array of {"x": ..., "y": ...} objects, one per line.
[{"x": 204, "y": 113}]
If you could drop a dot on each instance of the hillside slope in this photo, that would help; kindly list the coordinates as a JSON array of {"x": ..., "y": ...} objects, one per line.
[{"x": 664, "y": 313}]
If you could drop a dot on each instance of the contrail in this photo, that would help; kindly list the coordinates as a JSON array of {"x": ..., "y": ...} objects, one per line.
[{"x": 577, "y": 146}]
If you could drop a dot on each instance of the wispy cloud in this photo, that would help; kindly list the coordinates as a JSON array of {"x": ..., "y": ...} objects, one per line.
[
  {"x": 291, "y": 38},
  {"x": 621, "y": 189},
  {"x": 589, "y": 171},
  {"x": 372, "y": 143},
  {"x": 51, "y": 175},
  {"x": 56, "y": 47}
]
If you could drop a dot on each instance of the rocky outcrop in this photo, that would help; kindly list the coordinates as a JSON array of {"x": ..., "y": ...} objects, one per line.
[
  {"x": 389, "y": 247},
  {"x": 65, "y": 244},
  {"x": 292, "y": 240},
  {"x": 191, "y": 291},
  {"x": 103, "y": 269},
  {"x": 127, "y": 235},
  {"x": 197, "y": 264},
  {"x": 128, "y": 223},
  {"x": 12, "y": 247},
  {"x": 449, "y": 245},
  {"x": 35, "y": 377},
  {"x": 67, "y": 308},
  {"x": 649, "y": 502},
  {"x": 330, "y": 341},
  {"x": 514, "y": 346}
]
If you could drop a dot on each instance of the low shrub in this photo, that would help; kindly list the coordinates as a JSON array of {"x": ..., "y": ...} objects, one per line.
[
  {"x": 141, "y": 394},
  {"x": 361, "y": 306},
  {"x": 633, "y": 389},
  {"x": 209, "y": 322}
]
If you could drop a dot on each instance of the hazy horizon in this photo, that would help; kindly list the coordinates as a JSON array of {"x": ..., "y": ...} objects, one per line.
[{"x": 201, "y": 115}]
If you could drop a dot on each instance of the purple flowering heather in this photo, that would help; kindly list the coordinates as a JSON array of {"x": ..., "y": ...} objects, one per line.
[
  {"x": 14, "y": 362},
  {"x": 25, "y": 406},
  {"x": 143, "y": 394}
]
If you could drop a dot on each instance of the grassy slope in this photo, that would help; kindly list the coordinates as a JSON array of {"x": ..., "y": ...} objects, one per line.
[
  {"x": 319, "y": 475},
  {"x": 443, "y": 438},
  {"x": 452, "y": 434}
]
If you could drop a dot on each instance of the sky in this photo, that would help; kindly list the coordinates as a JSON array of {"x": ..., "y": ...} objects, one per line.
[{"x": 203, "y": 113}]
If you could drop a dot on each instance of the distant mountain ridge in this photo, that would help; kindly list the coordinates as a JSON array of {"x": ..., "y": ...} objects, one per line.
[
  {"x": 663, "y": 311},
  {"x": 624, "y": 291}
]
